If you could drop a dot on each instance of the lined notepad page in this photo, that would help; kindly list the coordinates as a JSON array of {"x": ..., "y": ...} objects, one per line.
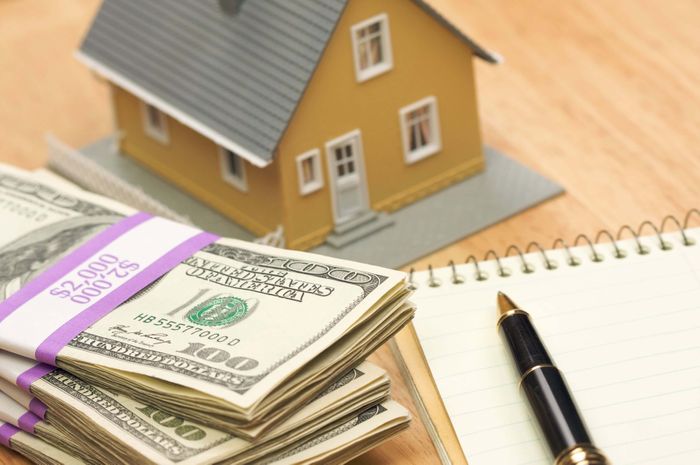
[{"x": 625, "y": 332}]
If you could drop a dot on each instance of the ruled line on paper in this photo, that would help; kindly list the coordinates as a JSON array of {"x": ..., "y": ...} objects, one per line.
[
  {"x": 618, "y": 362},
  {"x": 526, "y": 441},
  {"x": 655, "y": 375},
  {"x": 633, "y": 339},
  {"x": 452, "y": 375},
  {"x": 504, "y": 363},
  {"x": 633, "y": 441},
  {"x": 562, "y": 333},
  {"x": 483, "y": 409},
  {"x": 651, "y": 417},
  {"x": 694, "y": 388},
  {"x": 665, "y": 456},
  {"x": 494, "y": 428}
]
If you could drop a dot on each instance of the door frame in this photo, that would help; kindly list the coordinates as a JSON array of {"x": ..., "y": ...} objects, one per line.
[{"x": 355, "y": 134}]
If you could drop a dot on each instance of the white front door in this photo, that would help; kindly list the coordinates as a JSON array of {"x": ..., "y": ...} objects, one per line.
[{"x": 347, "y": 175}]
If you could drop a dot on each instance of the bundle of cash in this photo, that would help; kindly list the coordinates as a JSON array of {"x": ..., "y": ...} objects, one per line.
[
  {"x": 240, "y": 353},
  {"x": 335, "y": 445},
  {"x": 123, "y": 431}
]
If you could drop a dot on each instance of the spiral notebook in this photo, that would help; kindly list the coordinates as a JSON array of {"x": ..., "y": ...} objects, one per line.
[{"x": 621, "y": 320}]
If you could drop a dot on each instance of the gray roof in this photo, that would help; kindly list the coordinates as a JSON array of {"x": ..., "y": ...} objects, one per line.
[{"x": 237, "y": 79}]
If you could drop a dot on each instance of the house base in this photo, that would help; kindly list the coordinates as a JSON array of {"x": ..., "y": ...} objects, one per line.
[
  {"x": 393, "y": 240},
  {"x": 358, "y": 228}
]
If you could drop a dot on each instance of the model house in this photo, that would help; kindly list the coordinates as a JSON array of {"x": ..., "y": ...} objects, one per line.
[{"x": 319, "y": 116}]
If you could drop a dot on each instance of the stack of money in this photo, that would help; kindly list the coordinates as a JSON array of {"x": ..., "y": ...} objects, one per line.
[
  {"x": 124, "y": 431},
  {"x": 240, "y": 353}
]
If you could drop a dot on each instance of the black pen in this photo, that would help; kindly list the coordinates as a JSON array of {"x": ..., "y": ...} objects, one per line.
[{"x": 545, "y": 389}]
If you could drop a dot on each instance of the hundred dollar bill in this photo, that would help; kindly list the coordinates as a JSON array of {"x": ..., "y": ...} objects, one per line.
[
  {"x": 124, "y": 431},
  {"x": 335, "y": 445},
  {"x": 237, "y": 337}
]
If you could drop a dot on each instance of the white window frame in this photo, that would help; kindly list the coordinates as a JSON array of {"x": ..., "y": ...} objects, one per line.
[
  {"x": 388, "y": 63},
  {"x": 160, "y": 134},
  {"x": 240, "y": 183},
  {"x": 412, "y": 156},
  {"x": 315, "y": 184}
]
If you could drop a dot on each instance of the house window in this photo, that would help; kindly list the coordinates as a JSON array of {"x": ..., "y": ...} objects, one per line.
[
  {"x": 233, "y": 169},
  {"x": 155, "y": 123},
  {"x": 372, "y": 47},
  {"x": 420, "y": 129},
  {"x": 309, "y": 172}
]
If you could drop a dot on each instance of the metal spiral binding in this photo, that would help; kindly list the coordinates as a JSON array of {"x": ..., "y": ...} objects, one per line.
[{"x": 572, "y": 260}]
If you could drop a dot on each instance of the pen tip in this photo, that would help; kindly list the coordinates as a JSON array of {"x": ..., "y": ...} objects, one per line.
[{"x": 505, "y": 304}]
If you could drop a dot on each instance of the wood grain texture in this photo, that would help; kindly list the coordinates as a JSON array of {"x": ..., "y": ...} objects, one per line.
[{"x": 602, "y": 96}]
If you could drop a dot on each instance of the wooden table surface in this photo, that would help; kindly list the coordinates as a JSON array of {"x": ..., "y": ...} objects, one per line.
[{"x": 603, "y": 97}]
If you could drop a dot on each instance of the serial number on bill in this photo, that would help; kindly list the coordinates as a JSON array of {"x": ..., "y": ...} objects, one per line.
[{"x": 184, "y": 328}]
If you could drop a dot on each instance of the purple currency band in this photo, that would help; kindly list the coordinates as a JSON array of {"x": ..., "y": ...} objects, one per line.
[
  {"x": 75, "y": 258},
  {"x": 6, "y": 433},
  {"x": 38, "y": 408},
  {"x": 25, "y": 380},
  {"x": 27, "y": 422},
  {"x": 49, "y": 349}
]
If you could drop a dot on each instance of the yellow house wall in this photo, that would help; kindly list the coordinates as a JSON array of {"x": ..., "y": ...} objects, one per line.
[
  {"x": 428, "y": 60},
  {"x": 191, "y": 161}
]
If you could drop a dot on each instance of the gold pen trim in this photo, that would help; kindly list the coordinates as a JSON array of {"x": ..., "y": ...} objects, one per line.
[
  {"x": 582, "y": 454},
  {"x": 515, "y": 311},
  {"x": 531, "y": 370}
]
